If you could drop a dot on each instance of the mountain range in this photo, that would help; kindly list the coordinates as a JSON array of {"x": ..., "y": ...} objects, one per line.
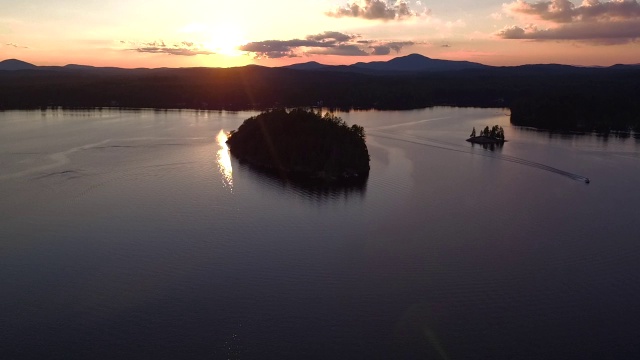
[
  {"x": 410, "y": 63},
  {"x": 413, "y": 63}
]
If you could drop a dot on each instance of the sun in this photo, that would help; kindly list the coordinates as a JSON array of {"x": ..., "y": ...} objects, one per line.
[{"x": 225, "y": 40}]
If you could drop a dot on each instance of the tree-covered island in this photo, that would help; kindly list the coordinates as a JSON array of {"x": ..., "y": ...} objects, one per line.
[
  {"x": 302, "y": 143},
  {"x": 495, "y": 135}
]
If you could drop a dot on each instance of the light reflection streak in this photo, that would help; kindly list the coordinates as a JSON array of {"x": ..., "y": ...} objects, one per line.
[{"x": 224, "y": 160}]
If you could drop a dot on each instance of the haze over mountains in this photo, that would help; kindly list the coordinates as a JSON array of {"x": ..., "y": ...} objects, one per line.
[{"x": 409, "y": 63}]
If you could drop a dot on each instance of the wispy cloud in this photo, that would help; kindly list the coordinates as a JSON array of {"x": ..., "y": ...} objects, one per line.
[
  {"x": 375, "y": 10},
  {"x": 185, "y": 48},
  {"x": 326, "y": 43},
  {"x": 16, "y": 46},
  {"x": 593, "y": 21}
]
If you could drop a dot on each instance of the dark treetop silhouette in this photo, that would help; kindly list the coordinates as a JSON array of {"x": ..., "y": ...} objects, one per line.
[
  {"x": 557, "y": 97},
  {"x": 302, "y": 143},
  {"x": 495, "y": 135}
]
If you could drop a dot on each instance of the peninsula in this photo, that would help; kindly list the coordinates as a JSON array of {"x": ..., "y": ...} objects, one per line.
[{"x": 301, "y": 143}]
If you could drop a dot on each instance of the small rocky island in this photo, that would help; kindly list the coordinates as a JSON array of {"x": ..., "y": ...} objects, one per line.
[
  {"x": 302, "y": 144},
  {"x": 495, "y": 135}
]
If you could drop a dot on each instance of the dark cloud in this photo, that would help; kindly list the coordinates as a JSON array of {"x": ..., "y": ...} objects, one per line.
[
  {"x": 555, "y": 10},
  {"x": 381, "y": 50},
  {"x": 611, "y": 22},
  {"x": 597, "y": 33},
  {"x": 512, "y": 32},
  {"x": 340, "y": 50},
  {"x": 185, "y": 48},
  {"x": 385, "y": 48},
  {"x": 283, "y": 48},
  {"x": 564, "y": 11},
  {"x": 398, "y": 45},
  {"x": 332, "y": 36},
  {"x": 286, "y": 48},
  {"x": 375, "y": 10},
  {"x": 283, "y": 45},
  {"x": 326, "y": 43}
]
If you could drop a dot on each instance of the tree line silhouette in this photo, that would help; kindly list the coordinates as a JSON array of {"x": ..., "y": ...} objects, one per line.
[{"x": 552, "y": 97}]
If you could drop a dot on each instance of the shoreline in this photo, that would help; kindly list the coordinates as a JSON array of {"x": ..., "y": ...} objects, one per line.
[{"x": 485, "y": 140}]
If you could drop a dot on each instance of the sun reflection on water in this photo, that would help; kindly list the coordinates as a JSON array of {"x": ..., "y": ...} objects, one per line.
[{"x": 224, "y": 160}]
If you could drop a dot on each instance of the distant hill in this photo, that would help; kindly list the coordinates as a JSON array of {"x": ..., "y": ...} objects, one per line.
[
  {"x": 311, "y": 65},
  {"x": 626, "y": 66},
  {"x": 15, "y": 64},
  {"x": 415, "y": 63},
  {"x": 419, "y": 63}
]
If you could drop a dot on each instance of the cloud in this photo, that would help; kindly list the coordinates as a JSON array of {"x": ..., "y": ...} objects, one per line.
[
  {"x": 274, "y": 49},
  {"x": 375, "y": 10},
  {"x": 286, "y": 48},
  {"x": 564, "y": 11},
  {"x": 554, "y": 10},
  {"x": 185, "y": 48},
  {"x": 332, "y": 36},
  {"x": 611, "y": 22},
  {"x": 174, "y": 51},
  {"x": 597, "y": 33},
  {"x": 16, "y": 46},
  {"x": 326, "y": 43},
  {"x": 381, "y": 50},
  {"x": 340, "y": 50},
  {"x": 385, "y": 48},
  {"x": 512, "y": 32}
]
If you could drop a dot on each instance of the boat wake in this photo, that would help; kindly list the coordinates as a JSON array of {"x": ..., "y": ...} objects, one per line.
[{"x": 438, "y": 144}]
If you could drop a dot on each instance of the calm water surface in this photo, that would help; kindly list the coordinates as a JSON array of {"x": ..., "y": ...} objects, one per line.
[{"x": 133, "y": 235}]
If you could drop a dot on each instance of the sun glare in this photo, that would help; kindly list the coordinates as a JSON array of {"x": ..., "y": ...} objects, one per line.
[
  {"x": 225, "y": 40},
  {"x": 224, "y": 160}
]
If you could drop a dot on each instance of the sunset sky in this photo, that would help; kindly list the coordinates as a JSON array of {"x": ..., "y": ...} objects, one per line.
[{"x": 164, "y": 33}]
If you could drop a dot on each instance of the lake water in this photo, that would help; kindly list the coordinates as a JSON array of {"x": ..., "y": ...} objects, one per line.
[{"x": 133, "y": 235}]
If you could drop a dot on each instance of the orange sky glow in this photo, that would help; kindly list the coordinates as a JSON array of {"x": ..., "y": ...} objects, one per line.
[{"x": 224, "y": 34}]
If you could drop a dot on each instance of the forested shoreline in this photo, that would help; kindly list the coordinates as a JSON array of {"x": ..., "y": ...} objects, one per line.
[{"x": 549, "y": 97}]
